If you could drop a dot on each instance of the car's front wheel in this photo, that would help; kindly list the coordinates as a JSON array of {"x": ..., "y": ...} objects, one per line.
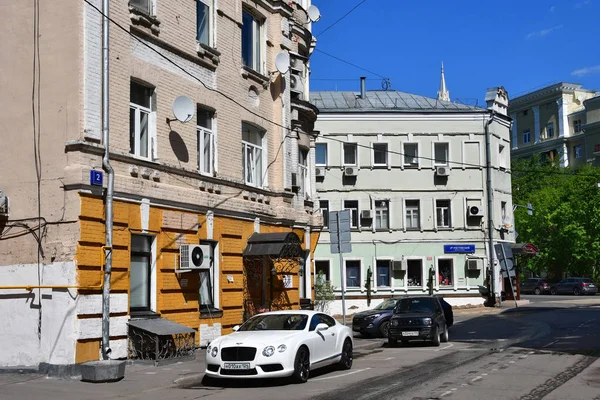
[
  {"x": 436, "y": 338},
  {"x": 553, "y": 291},
  {"x": 301, "y": 366},
  {"x": 383, "y": 328},
  {"x": 346, "y": 360},
  {"x": 445, "y": 337}
]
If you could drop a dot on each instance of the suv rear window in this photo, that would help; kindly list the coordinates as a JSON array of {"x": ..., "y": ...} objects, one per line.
[{"x": 587, "y": 280}]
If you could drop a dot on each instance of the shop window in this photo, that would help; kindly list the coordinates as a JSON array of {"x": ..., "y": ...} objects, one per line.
[
  {"x": 446, "y": 272},
  {"x": 414, "y": 273}
]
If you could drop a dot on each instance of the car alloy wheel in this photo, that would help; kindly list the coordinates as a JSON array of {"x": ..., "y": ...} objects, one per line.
[
  {"x": 383, "y": 328},
  {"x": 346, "y": 360},
  {"x": 553, "y": 291},
  {"x": 445, "y": 337},
  {"x": 576, "y": 291},
  {"x": 436, "y": 337},
  {"x": 301, "y": 365},
  {"x": 537, "y": 291}
]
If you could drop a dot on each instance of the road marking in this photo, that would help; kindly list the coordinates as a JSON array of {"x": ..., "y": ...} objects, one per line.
[
  {"x": 483, "y": 374},
  {"x": 339, "y": 376},
  {"x": 381, "y": 359},
  {"x": 447, "y": 347},
  {"x": 477, "y": 378},
  {"x": 494, "y": 369},
  {"x": 511, "y": 362},
  {"x": 446, "y": 393},
  {"x": 549, "y": 344}
]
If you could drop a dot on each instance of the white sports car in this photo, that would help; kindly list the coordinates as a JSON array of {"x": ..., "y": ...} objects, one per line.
[{"x": 280, "y": 344}]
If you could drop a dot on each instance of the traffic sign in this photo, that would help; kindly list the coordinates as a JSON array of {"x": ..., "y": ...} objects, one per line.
[{"x": 339, "y": 222}]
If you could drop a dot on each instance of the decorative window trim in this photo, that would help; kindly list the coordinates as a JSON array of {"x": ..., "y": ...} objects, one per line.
[{"x": 138, "y": 17}]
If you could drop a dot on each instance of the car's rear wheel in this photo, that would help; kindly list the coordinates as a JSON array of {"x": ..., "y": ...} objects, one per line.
[
  {"x": 553, "y": 291},
  {"x": 436, "y": 337},
  {"x": 392, "y": 342},
  {"x": 445, "y": 337},
  {"x": 537, "y": 291},
  {"x": 346, "y": 360},
  {"x": 301, "y": 366},
  {"x": 383, "y": 328},
  {"x": 576, "y": 291}
]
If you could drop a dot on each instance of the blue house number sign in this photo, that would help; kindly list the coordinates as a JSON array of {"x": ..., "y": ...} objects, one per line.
[{"x": 96, "y": 178}]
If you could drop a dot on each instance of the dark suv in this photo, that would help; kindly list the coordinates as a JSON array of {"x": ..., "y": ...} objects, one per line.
[
  {"x": 575, "y": 286},
  {"x": 535, "y": 286},
  {"x": 418, "y": 318}
]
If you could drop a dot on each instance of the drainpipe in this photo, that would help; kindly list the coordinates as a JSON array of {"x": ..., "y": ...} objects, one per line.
[
  {"x": 109, "y": 190},
  {"x": 363, "y": 87},
  {"x": 490, "y": 204}
]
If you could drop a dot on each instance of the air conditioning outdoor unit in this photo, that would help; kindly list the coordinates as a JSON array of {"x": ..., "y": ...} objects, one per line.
[
  {"x": 366, "y": 214},
  {"x": 319, "y": 171},
  {"x": 195, "y": 256},
  {"x": 296, "y": 84},
  {"x": 442, "y": 171},
  {"x": 475, "y": 211},
  {"x": 350, "y": 171},
  {"x": 4, "y": 205},
  {"x": 473, "y": 264},
  {"x": 296, "y": 63},
  {"x": 399, "y": 265}
]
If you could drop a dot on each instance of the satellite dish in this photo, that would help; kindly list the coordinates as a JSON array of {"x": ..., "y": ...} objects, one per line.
[
  {"x": 183, "y": 109},
  {"x": 313, "y": 13},
  {"x": 282, "y": 61}
]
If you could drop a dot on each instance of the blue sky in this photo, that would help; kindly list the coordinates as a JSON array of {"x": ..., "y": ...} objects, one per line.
[{"x": 521, "y": 45}]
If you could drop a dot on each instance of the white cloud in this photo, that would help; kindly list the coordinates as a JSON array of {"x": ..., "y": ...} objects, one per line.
[
  {"x": 582, "y": 3},
  {"x": 586, "y": 71},
  {"x": 543, "y": 32}
]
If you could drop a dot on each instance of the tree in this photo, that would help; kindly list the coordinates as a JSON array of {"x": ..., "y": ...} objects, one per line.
[{"x": 324, "y": 293}]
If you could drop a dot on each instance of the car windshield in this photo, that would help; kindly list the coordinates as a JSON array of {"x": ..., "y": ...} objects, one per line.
[
  {"x": 276, "y": 322},
  {"x": 422, "y": 305},
  {"x": 388, "y": 304}
]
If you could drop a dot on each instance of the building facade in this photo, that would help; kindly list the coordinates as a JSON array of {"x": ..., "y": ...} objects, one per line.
[
  {"x": 240, "y": 166},
  {"x": 551, "y": 122},
  {"x": 412, "y": 172}
]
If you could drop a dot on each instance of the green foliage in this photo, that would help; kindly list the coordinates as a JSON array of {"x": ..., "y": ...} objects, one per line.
[
  {"x": 324, "y": 293},
  {"x": 565, "y": 225}
]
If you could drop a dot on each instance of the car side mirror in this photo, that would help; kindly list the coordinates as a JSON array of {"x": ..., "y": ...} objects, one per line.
[
  {"x": 236, "y": 328},
  {"x": 322, "y": 327}
]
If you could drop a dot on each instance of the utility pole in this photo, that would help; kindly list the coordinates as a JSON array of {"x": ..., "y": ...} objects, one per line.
[{"x": 490, "y": 210}]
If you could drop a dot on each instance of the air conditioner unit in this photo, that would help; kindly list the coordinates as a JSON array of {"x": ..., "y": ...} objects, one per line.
[
  {"x": 195, "y": 256},
  {"x": 296, "y": 84},
  {"x": 366, "y": 214},
  {"x": 319, "y": 171},
  {"x": 473, "y": 264},
  {"x": 4, "y": 204},
  {"x": 399, "y": 265},
  {"x": 350, "y": 171},
  {"x": 442, "y": 171},
  {"x": 296, "y": 63},
  {"x": 475, "y": 211}
]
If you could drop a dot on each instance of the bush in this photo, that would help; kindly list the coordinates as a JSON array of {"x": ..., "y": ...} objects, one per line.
[{"x": 324, "y": 293}]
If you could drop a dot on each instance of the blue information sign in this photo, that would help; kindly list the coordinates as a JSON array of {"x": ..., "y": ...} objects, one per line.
[
  {"x": 459, "y": 248},
  {"x": 96, "y": 177}
]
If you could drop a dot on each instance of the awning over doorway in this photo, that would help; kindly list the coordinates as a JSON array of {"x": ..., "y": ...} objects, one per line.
[{"x": 274, "y": 245}]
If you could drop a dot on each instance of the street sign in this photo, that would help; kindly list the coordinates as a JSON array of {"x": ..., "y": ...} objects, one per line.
[
  {"x": 459, "y": 248},
  {"x": 339, "y": 233},
  {"x": 505, "y": 257}
]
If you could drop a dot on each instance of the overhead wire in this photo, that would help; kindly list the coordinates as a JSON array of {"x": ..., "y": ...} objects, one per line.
[{"x": 341, "y": 18}]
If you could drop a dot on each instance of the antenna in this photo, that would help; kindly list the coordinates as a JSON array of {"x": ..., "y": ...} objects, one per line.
[
  {"x": 282, "y": 62},
  {"x": 313, "y": 13},
  {"x": 183, "y": 109}
]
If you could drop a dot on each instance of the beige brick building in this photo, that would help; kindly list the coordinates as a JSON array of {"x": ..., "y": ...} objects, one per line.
[{"x": 242, "y": 164}]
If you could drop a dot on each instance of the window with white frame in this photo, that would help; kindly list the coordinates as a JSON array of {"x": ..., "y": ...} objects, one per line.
[
  {"x": 577, "y": 126},
  {"x": 352, "y": 273},
  {"x": 442, "y": 212},
  {"x": 204, "y": 22},
  {"x": 252, "y": 151},
  {"x": 380, "y": 154},
  {"x": 384, "y": 268},
  {"x": 526, "y": 136},
  {"x": 440, "y": 151},
  {"x": 446, "y": 271},
  {"x": 502, "y": 156},
  {"x": 413, "y": 220},
  {"x": 352, "y": 205},
  {"x": 324, "y": 206},
  {"x": 144, "y": 6},
  {"x": 207, "y": 302},
  {"x": 411, "y": 154},
  {"x": 321, "y": 154},
  {"x": 251, "y": 41},
  {"x": 382, "y": 214},
  {"x": 550, "y": 130},
  {"x": 303, "y": 172},
  {"x": 578, "y": 150},
  {"x": 350, "y": 154},
  {"x": 322, "y": 270},
  {"x": 206, "y": 141},
  {"x": 140, "y": 120}
]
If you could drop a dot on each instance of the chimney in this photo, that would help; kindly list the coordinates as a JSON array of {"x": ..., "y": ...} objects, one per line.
[
  {"x": 497, "y": 100},
  {"x": 363, "y": 87}
]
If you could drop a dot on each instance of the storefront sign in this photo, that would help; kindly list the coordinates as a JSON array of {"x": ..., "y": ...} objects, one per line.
[{"x": 459, "y": 248}]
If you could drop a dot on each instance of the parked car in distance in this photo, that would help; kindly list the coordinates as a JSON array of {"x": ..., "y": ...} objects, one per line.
[
  {"x": 280, "y": 344},
  {"x": 575, "y": 286},
  {"x": 535, "y": 286},
  {"x": 376, "y": 320},
  {"x": 418, "y": 318}
]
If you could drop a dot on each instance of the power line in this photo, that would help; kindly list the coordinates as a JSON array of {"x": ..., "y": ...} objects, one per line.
[
  {"x": 341, "y": 18},
  {"x": 347, "y": 62}
]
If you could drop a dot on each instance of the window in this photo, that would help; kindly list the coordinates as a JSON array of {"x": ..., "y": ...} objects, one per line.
[
  {"x": 445, "y": 269},
  {"x": 206, "y": 141},
  {"x": 412, "y": 214},
  {"x": 206, "y": 290},
  {"x": 382, "y": 214},
  {"x": 252, "y": 152},
  {"x": 578, "y": 151},
  {"x": 251, "y": 41},
  {"x": 303, "y": 173},
  {"x": 501, "y": 156},
  {"x": 324, "y": 206},
  {"x": 353, "y": 273},
  {"x": 442, "y": 209},
  {"x": 350, "y": 150},
  {"x": 441, "y": 153},
  {"x": 503, "y": 211},
  {"x": 550, "y": 130},
  {"x": 322, "y": 270},
  {"x": 577, "y": 126},
  {"x": 383, "y": 272},
  {"x": 352, "y": 205},
  {"x": 141, "y": 120},
  {"x": 524, "y": 112},
  {"x": 203, "y": 21},
  {"x": 414, "y": 272},
  {"x": 139, "y": 272},
  {"x": 380, "y": 152},
  {"x": 526, "y": 136},
  {"x": 411, "y": 155},
  {"x": 321, "y": 154},
  {"x": 145, "y": 6}
]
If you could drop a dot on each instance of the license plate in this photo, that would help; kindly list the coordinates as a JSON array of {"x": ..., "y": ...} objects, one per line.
[
  {"x": 236, "y": 366},
  {"x": 592, "y": 286},
  {"x": 412, "y": 333}
]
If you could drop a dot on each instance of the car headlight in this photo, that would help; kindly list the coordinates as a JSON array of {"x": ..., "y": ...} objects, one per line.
[
  {"x": 394, "y": 322},
  {"x": 373, "y": 316},
  {"x": 268, "y": 351},
  {"x": 214, "y": 351},
  {"x": 426, "y": 321},
  {"x": 281, "y": 348}
]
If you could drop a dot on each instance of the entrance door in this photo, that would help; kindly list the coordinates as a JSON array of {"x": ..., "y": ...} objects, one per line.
[{"x": 255, "y": 280}]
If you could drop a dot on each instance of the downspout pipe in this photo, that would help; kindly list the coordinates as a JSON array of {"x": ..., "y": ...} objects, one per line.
[
  {"x": 490, "y": 209},
  {"x": 110, "y": 186}
]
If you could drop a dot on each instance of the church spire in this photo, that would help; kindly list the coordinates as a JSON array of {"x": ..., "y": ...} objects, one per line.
[{"x": 443, "y": 94}]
